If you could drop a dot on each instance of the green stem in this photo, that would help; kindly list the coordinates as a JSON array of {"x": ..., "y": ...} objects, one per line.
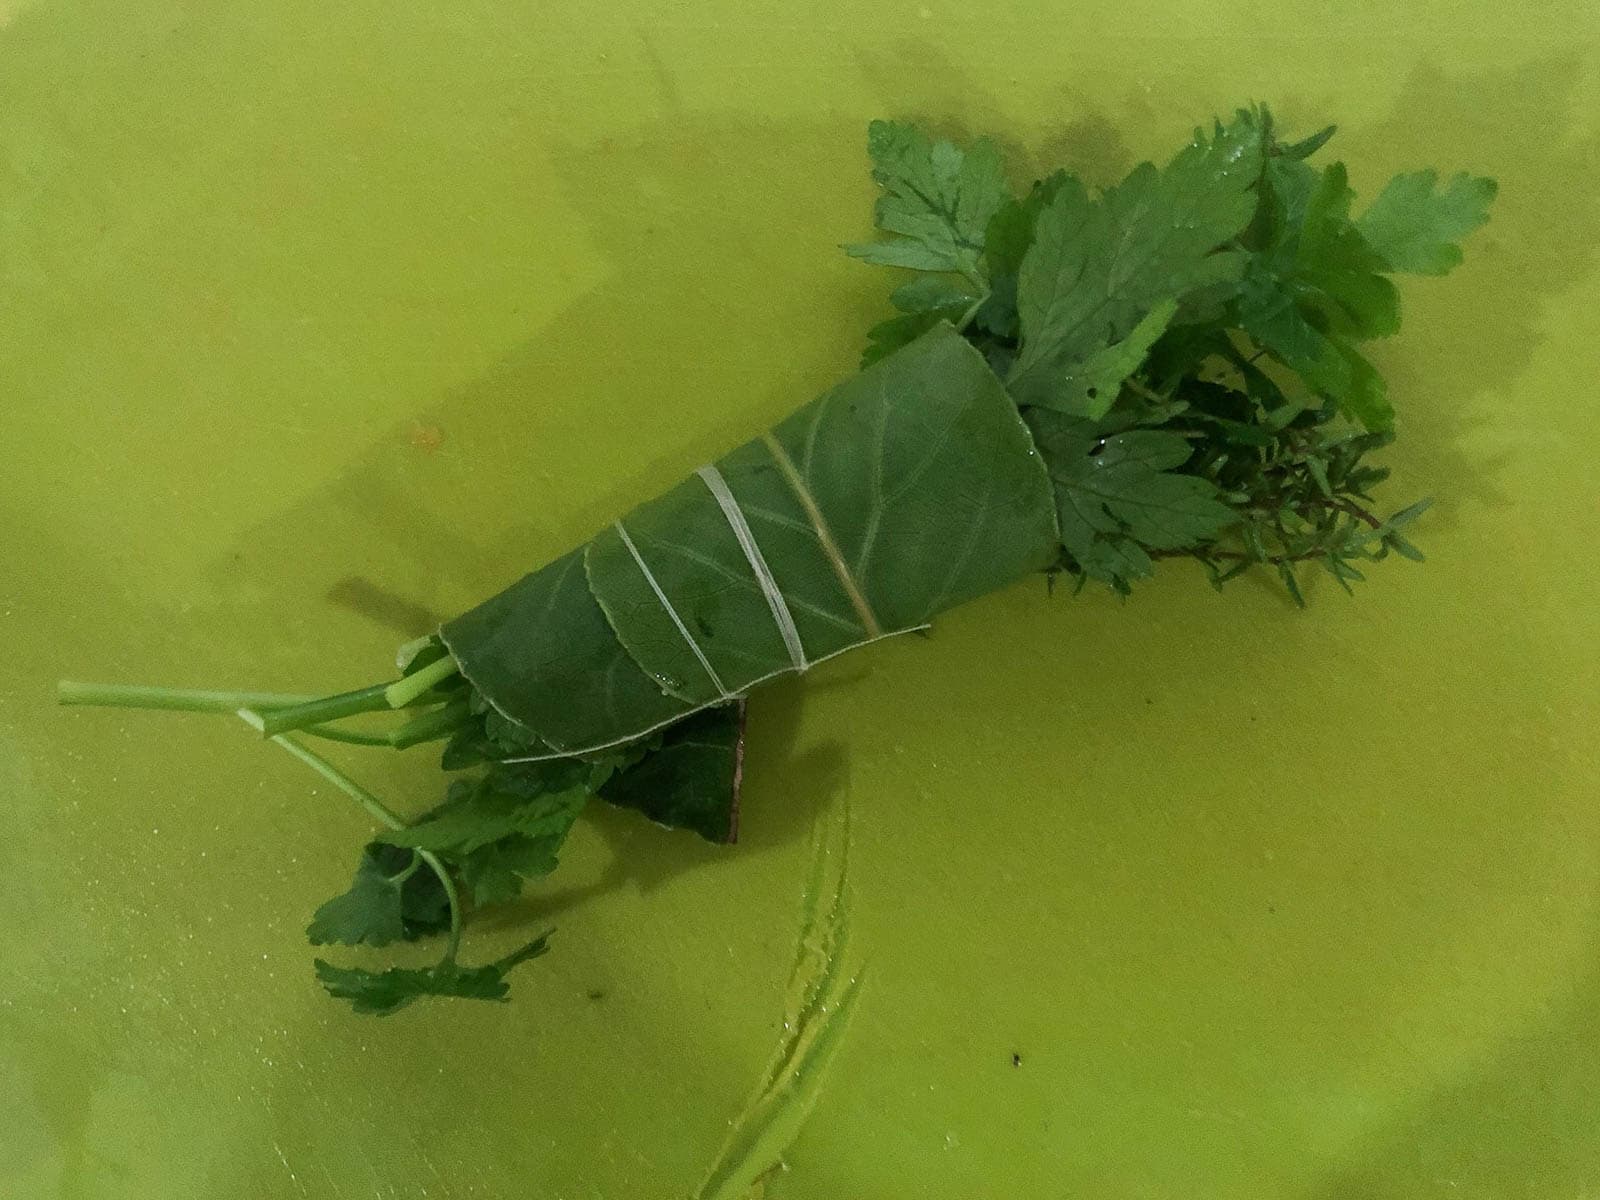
[
  {"x": 449, "y": 885},
  {"x": 324, "y": 709},
  {"x": 972, "y": 311},
  {"x": 332, "y": 733},
  {"x": 121, "y": 695},
  {"x": 378, "y": 810},
  {"x": 411, "y": 869},
  {"x": 403, "y": 691},
  {"x": 428, "y": 726},
  {"x": 1140, "y": 389}
]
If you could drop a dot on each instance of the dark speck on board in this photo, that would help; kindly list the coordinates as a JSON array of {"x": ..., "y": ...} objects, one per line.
[
  {"x": 597, "y": 993},
  {"x": 1016, "y": 1059}
]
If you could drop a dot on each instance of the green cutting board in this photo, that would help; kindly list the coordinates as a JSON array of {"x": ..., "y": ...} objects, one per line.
[{"x": 319, "y": 322}]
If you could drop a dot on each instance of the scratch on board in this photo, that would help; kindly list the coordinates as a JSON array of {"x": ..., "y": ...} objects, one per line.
[
  {"x": 818, "y": 1004},
  {"x": 293, "y": 1178}
]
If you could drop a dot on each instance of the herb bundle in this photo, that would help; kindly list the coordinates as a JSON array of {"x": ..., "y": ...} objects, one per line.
[{"x": 1075, "y": 384}]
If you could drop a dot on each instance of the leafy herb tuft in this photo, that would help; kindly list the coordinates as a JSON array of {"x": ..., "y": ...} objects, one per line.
[{"x": 1186, "y": 345}]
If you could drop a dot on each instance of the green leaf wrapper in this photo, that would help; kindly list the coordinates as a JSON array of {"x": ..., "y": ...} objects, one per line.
[{"x": 902, "y": 492}]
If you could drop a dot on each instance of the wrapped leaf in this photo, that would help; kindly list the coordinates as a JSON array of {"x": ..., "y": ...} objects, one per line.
[{"x": 898, "y": 494}]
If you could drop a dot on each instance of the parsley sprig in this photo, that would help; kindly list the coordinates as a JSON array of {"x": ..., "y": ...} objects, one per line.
[{"x": 1186, "y": 344}]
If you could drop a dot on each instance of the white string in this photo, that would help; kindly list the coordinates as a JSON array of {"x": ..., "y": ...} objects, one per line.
[
  {"x": 649, "y": 577},
  {"x": 769, "y": 586}
]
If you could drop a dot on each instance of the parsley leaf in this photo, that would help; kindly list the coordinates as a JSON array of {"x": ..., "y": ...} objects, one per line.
[
  {"x": 496, "y": 872},
  {"x": 1315, "y": 288},
  {"x": 392, "y": 898},
  {"x": 498, "y": 805},
  {"x": 507, "y": 826},
  {"x": 1118, "y": 495},
  {"x": 1010, "y": 236},
  {"x": 1099, "y": 267},
  {"x": 1336, "y": 270},
  {"x": 923, "y": 303},
  {"x": 1416, "y": 229},
  {"x": 1089, "y": 388},
  {"x": 1306, "y": 147},
  {"x": 937, "y": 199},
  {"x": 1319, "y": 283},
  {"x": 380, "y": 993},
  {"x": 1269, "y": 313}
]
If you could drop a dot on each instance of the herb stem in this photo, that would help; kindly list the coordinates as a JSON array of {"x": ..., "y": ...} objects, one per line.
[
  {"x": 972, "y": 311},
  {"x": 1354, "y": 510},
  {"x": 350, "y": 737},
  {"x": 403, "y": 691},
  {"x": 1271, "y": 560},
  {"x": 411, "y": 869},
  {"x": 1139, "y": 388},
  {"x": 120, "y": 695},
  {"x": 324, "y": 709},
  {"x": 375, "y": 808},
  {"x": 449, "y": 885},
  {"x": 431, "y": 725}
]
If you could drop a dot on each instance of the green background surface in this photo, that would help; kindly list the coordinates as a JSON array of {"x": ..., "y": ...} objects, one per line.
[{"x": 321, "y": 321}]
